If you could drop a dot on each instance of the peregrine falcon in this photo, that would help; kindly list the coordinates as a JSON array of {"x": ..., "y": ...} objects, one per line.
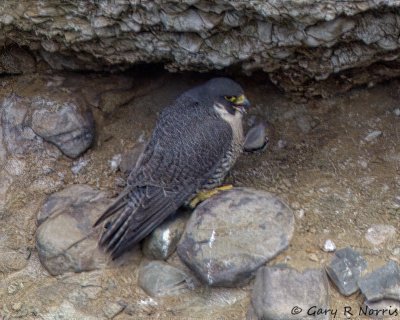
[{"x": 193, "y": 146}]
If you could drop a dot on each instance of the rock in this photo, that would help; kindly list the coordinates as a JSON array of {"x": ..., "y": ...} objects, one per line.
[
  {"x": 256, "y": 138},
  {"x": 329, "y": 246},
  {"x": 383, "y": 283},
  {"x": 64, "y": 121},
  {"x": 158, "y": 279},
  {"x": 396, "y": 112},
  {"x": 384, "y": 309},
  {"x": 224, "y": 247},
  {"x": 162, "y": 242},
  {"x": 66, "y": 311},
  {"x": 345, "y": 269},
  {"x": 78, "y": 165},
  {"x": 380, "y": 233},
  {"x": 373, "y": 135},
  {"x": 18, "y": 137},
  {"x": 282, "y": 293},
  {"x": 112, "y": 309},
  {"x": 303, "y": 45},
  {"x": 129, "y": 158},
  {"x": 115, "y": 162},
  {"x": 65, "y": 239}
]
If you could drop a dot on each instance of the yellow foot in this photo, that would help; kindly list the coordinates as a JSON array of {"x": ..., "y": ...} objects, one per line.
[{"x": 204, "y": 195}]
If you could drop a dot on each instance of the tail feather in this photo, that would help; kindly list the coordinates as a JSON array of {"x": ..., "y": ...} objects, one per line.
[{"x": 139, "y": 212}]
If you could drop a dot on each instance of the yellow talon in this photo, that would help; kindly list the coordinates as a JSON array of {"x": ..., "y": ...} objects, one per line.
[{"x": 204, "y": 195}]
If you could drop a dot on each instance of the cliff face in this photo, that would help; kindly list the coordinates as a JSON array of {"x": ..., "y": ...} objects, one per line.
[{"x": 312, "y": 47}]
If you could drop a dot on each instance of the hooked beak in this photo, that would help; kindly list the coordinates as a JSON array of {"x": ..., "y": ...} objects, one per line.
[{"x": 242, "y": 104}]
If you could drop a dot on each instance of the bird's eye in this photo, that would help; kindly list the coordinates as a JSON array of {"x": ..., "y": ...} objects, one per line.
[{"x": 230, "y": 98}]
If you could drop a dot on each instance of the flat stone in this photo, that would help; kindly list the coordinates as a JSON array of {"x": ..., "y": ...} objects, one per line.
[
  {"x": 158, "y": 278},
  {"x": 282, "y": 293},
  {"x": 65, "y": 239},
  {"x": 345, "y": 269},
  {"x": 383, "y": 283},
  {"x": 224, "y": 247},
  {"x": 162, "y": 242},
  {"x": 66, "y": 122}
]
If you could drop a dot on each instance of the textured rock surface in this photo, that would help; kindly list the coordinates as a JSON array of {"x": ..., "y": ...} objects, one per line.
[
  {"x": 162, "y": 242},
  {"x": 383, "y": 283},
  {"x": 296, "y": 42},
  {"x": 345, "y": 269},
  {"x": 65, "y": 239},
  {"x": 158, "y": 278},
  {"x": 63, "y": 121},
  {"x": 282, "y": 293},
  {"x": 224, "y": 247}
]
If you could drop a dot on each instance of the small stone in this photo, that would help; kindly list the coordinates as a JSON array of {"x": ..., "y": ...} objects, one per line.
[
  {"x": 224, "y": 247},
  {"x": 373, "y": 135},
  {"x": 299, "y": 213},
  {"x": 65, "y": 238},
  {"x": 17, "y": 306},
  {"x": 329, "y": 246},
  {"x": 383, "y": 283},
  {"x": 79, "y": 165},
  {"x": 281, "y": 144},
  {"x": 396, "y": 251},
  {"x": 158, "y": 278},
  {"x": 313, "y": 257},
  {"x": 279, "y": 290},
  {"x": 112, "y": 309},
  {"x": 396, "y": 112},
  {"x": 380, "y": 233},
  {"x": 345, "y": 269},
  {"x": 162, "y": 242},
  {"x": 255, "y": 138},
  {"x": 115, "y": 162}
]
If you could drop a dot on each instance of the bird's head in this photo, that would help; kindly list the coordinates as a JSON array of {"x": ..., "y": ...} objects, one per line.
[{"x": 224, "y": 95}]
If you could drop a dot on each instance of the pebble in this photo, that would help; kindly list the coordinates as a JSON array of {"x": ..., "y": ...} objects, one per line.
[
  {"x": 115, "y": 162},
  {"x": 112, "y": 309},
  {"x": 78, "y": 165},
  {"x": 380, "y": 233},
  {"x": 224, "y": 247},
  {"x": 162, "y": 242},
  {"x": 329, "y": 246},
  {"x": 256, "y": 138},
  {"x": 65, "y": 239},
  {"x": 396, "y": 112},
  {"x": 158, "y": 278},
  {"x": 382, "y": 283},
  {"x": 283, "y": 293},
  {"x": 373, "y": 135},
  {"x": 345, "y": 269}
]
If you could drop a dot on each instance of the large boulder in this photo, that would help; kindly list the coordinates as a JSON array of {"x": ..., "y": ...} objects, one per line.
[
  {"x": 298, "y": 43},
  {"x": 232, "y": 234}
]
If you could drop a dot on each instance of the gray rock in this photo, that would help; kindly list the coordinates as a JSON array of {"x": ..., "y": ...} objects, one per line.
[
  {"x": 383, "y": 309},
  {"x": 200, "y": 35},
  {"x": 63, "y": 121},
  {"x": 162, "y": 242},
  {"x": 158, "y": 278},
  {"x": 345, "y": 269},
  {"x": 256, "y": 138},
  {"x": 282, "y": 293},
  {"x": 65, "y": 239},
  {"x": 383, "y": 283},
  {"x": 224, "y": 247}
]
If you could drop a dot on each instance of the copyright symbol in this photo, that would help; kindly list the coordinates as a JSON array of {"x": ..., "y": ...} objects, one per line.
[{"x": 296, "y": 310}]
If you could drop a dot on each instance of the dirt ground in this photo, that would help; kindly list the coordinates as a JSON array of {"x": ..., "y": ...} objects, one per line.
[{"x": 337, "y": 182}]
